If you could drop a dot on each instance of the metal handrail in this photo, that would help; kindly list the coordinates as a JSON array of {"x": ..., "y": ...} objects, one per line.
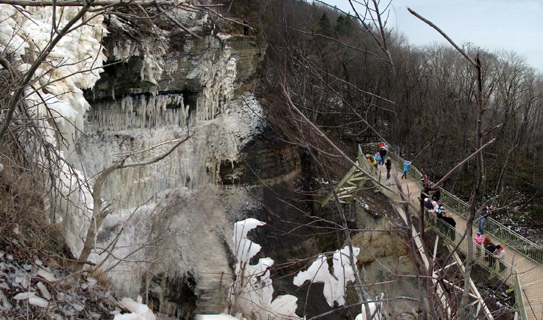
[
  {"x": 460, "y": 207},
  {"x": 499, "y": 231},
  {"x": 510, "y": 274}
]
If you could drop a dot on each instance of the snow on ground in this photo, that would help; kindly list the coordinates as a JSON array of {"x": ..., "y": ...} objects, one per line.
[
  {"x": 334, "y": 285},
  {"x": 252, "y": 292}
]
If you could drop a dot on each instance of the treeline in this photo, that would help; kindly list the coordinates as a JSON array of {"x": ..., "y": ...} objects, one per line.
[{"x": 362, "y": 83}]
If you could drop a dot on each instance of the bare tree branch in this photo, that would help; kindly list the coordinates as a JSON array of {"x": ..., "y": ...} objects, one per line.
[
  {"x": 428, "y": 22},
  {"x": 98, "y": 215}
]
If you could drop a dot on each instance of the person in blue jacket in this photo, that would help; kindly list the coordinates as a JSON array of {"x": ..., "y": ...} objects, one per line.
[
  {"x": 406, "y": 165},
  {"x": 377, "y": 157}
]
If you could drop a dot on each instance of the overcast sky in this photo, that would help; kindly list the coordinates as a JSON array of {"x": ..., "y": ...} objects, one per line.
[{"x": 512, "y": 25}]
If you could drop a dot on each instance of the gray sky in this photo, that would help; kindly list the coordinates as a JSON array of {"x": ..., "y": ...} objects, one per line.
[{"x": 491, "y": 24}]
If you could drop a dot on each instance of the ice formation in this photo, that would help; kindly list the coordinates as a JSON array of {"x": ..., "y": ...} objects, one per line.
[
  {"x": 374, "y": 308},
  {"x": 245, "y": 249},
  {"x": 220, "y": 123},
  {"x": 217, "y": 77},
  {"x": 152, "y": 50},
  {"x": 73, "y": 64},
  {"x": 334, "y": 285},
  {"x": 252, "y": 292},
  {"x": 138, "y": 122},
  {"x": 138, "y": 310},
  {"x": 139, "y": 112}
]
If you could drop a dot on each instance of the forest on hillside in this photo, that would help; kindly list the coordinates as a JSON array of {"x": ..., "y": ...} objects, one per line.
[{"x": 359, "y": 83}]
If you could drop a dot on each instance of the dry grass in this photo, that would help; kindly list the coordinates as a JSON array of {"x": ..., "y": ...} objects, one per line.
[{"x": 22, "y": 212}]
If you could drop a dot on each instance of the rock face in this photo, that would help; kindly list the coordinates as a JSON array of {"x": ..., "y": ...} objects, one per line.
[
  {"x": 385, "y": 255},
  {"x": 169, "y": 234}
]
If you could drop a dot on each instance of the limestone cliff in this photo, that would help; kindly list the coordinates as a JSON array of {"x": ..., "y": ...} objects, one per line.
[
  {"x": 167, "y": 235},
  {"x": 171, "y": 222}
]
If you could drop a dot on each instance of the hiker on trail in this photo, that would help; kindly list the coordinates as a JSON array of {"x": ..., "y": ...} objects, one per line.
[
  {"x": 435, "y": 206},
  {"x": 388, "y": 164},
  {"x": 487, "y": 211},
  {"x": 452, "y": 225},
  {"x": 432, "y": 206},
  {"x": 406, "y": 165},
  {"x": 479, "y": 242},
  {"x": 425, "y": 180},
  {"x": 246, "y": 27},
  {"x": 371, "y": 159},
  {"x": 437, "y": 195},
  {"x": 378, "y": 158},
  {"x": 423, "y": 197},
  {"x": 500, "y": 255},
  {"x": 427, "y": 203},
  {"x": 439, "y": 215},
  {"x": 490, "y": 248},
  {"x": 382, "y": 153}
]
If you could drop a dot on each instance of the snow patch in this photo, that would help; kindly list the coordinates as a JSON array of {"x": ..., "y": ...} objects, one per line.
[
  {"x": 139, "y": 311},
  {"x": 252, "y": 292},
  {"x": 334, "y": 285}
]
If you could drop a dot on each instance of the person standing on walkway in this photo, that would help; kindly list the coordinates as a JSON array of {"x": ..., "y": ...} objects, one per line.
[
  {"x": 486, "y": 243},
  {"x": 440, "y": 223},
  {"x": 487, "y": 211},
  {"x": 378, "y": 158},
  {"x": 371, "y": 159},
  {"x": 451, "y": 225},
  {"x": 479, "y": 242},
  {"x": 424, "y": 178},
  {"x": 406, "y": 165},
  {"x": 382, "y": 153},
  {"x": 490, "y": 248},
  {"x": 500, "y": 255},
  {"x": 437, "y": 195},
  {"x": 388, "y": 165},
  {"x": 246, "y": 27}
]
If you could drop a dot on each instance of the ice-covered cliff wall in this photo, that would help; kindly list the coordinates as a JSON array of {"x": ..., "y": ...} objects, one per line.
[
  {"x": 54, "y": 98},
  {"x": 175, "y": 215},
  {"x": 158, "y": 89}
]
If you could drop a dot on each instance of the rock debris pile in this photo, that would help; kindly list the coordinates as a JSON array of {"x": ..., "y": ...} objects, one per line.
[{"x": 32, "y": 289}]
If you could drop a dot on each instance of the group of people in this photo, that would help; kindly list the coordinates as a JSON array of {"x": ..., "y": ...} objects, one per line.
[
  {"x": 446, "y": 223},
  {"x": 493, "y": 251},
  {"x": 379, "y": 159},
  {"x": 430, "y": 200}
]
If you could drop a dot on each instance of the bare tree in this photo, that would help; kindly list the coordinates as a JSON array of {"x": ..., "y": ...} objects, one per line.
[
  {"x": 479, "y": 109},
  {"x": 99, "y": 214}
]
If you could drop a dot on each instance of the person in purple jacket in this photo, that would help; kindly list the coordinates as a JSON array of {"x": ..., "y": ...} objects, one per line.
[{"x": 406, "y": 165}]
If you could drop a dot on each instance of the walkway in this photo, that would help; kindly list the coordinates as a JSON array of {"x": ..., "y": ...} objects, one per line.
[{"x": 519, "y": 260}]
